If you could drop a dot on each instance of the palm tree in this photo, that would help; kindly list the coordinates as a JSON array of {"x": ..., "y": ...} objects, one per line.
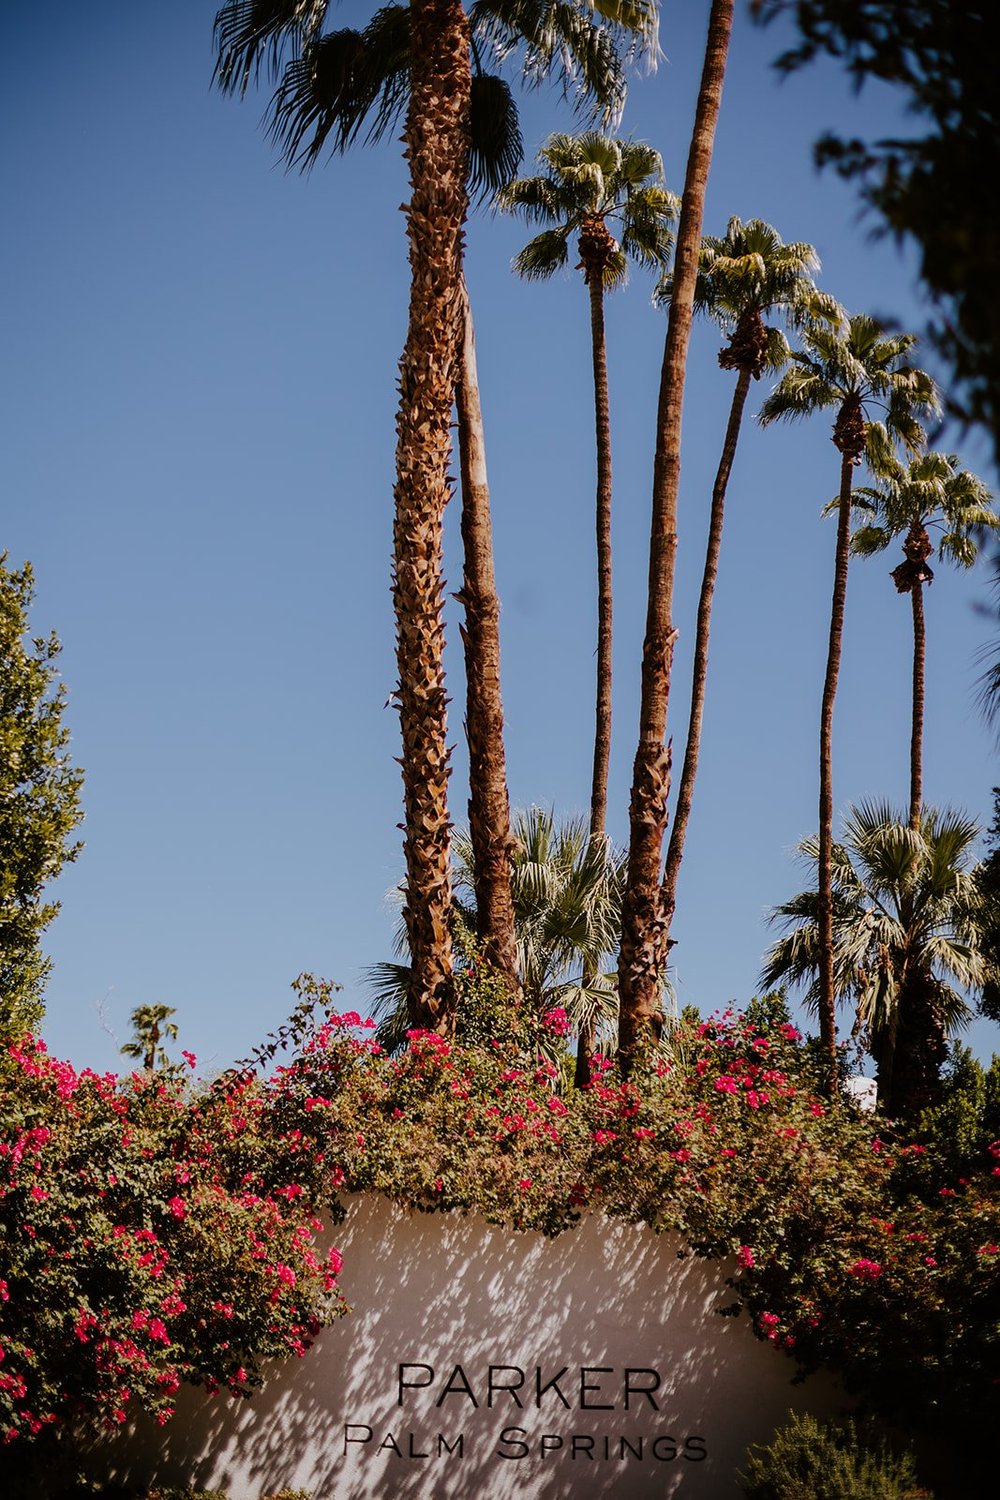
[
  {"x": 591, "y": 182},
  {"x": 908, "y": 931},
  {"x": 932, "y": 491},
  {"x": 742, "y": 277},
  {"x": 151, "y": 1024},
  {"x": 567, "y": 910},
  {"x": 851, "y": 370},
  {"x": 424, "y": 59},
  {"x": 642, "y": 954}
]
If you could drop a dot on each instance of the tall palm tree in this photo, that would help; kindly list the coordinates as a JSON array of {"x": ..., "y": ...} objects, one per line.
[
  {"x": 567, "y": 903},
  {"x": 642, "y": 954},
  {"x": 932, "y": 491},
  {"x": 743, "y": 277},
  {"x": 852, "y": 370},
  {"x": 590, "y": 183},
  {"x": 908, "y": 941},
  {"x": 424, "y": 59}
]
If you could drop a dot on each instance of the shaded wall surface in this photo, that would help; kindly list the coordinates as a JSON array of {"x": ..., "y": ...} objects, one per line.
[{"x": 480, "y": 1362}]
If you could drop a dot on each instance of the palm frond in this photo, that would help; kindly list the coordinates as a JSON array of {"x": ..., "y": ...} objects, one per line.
[
  {"x": 496, "y": 147},
  {"x": 541, "y": 257},
  {"x": 906, "y": 910},
  {"x": 250, "y": 35}
]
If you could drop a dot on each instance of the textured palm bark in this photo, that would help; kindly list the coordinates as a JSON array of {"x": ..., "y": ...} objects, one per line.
[
  {"x": 910, "y": 1057},
  {"x": 489, "y": 803},
  {"x": 917, "y": 719},
  {"x": 699, "y": 676},
  {"x": 827, "y": 995},
  {"x": 605, "y": 603},
  {"x": 642, "y": 956},
  {"x": 437, "y": 152}
]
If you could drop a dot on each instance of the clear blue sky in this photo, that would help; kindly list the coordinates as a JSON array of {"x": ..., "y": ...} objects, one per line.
[{"x": 199, "y": 359}]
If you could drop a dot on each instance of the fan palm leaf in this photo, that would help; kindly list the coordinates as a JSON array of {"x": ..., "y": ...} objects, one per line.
[{"x": 908, "y": 926}]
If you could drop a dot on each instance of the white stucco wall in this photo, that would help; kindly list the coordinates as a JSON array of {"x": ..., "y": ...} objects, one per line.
[{"x": 660, "y": 1394}]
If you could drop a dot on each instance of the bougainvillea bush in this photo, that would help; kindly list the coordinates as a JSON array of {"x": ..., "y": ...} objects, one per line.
[
  {"x": 849, "y": 1245},
  {"x": 135, "y": 1253},
  {"x": 157, "y": 1231}
]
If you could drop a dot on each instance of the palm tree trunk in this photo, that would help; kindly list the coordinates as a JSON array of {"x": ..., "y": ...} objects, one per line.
[
  {"x": 436, "y": 137},
  {"x": 685, "y": 791},
  {"x": 605, "y": 616},
  {"x": 919, "y": 1049},
  {"x": 489, "y": 804},
  {"x": 602, "y": 422},
  {"x": 643, "y": 950},
  {"x": 827, "y": 997},
  {"x": 917, "y": 722}
]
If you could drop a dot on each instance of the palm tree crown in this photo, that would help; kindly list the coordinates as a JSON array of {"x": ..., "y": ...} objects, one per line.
[
  {"x": 567, "y": 890},
  {"x": 932, "y": 492},
  {"x": 591, "y": 180},
  {"x": 744, "y": 275},
  {"x": 907, "y": 930},
  {"x": 334, "y": 87},
  {"x": 857, "y": 370}
]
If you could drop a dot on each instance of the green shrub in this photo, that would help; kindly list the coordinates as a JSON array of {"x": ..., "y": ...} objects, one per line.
[{"x": 810, "y": 1460}]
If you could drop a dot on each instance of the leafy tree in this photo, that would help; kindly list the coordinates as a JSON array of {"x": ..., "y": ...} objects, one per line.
[
  {"x": 742, "y": 277},
  {"x": 932, "y": 491},
  {"x": 590, "y": 183},
  {"x": 927, "y": 188},
  {"x": 989, "y": 682},
  {"x": 988, "y": 882},
  {"x": 151, "y": 1024},
  {"x": 39, "y": 800},
  {"x": 424, "y": 59},
  {"x": 849, "y": 370},
  {"x": 643, "y": 953},
  {"x": 908, "y": 929}
]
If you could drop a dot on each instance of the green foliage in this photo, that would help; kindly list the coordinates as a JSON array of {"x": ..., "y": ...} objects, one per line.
[
  {"x": 932, "y": 491},
  {"x": 907, "y": 924},
  {"x": 590, "y": 178},
  {"x": 927, "y": 186},
  {"x": 810, "y": 1460},
  {"x": 857, "y": 362},
  {"x": 39, "y": 800},
  {"x": 151, "y": 1023},
  {"x": 336, "y": 87},
  {"x": 988, "y": 885},
  {"x": 567, "y": 891}
]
